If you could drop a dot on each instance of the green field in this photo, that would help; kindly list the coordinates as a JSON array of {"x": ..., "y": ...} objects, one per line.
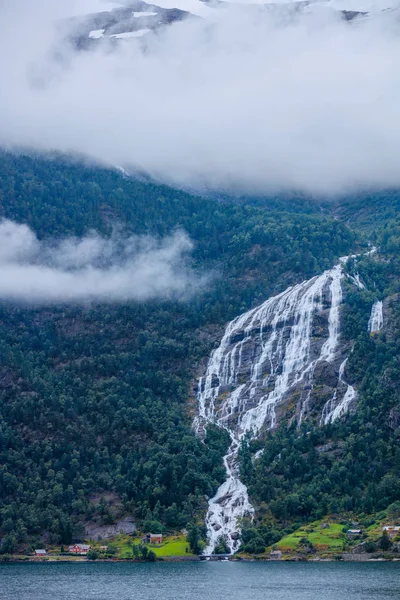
[
  {"x": 329, "y": 539},
  {"x": 173, "y": 545}
]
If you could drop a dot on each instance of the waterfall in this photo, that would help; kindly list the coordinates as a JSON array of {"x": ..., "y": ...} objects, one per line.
[
  {"x": 266, "y": 355},
  {"x": 376, "y": 319},
  {"x": 333, "y": 409},
  {"x": 357, "y": 281}
]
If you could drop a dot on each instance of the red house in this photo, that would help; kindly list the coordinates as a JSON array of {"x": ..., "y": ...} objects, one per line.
[
  {"x": 152, "y": 538},
  {"x": 81, "y": 549},
  {"x": 156, "y": 538}
]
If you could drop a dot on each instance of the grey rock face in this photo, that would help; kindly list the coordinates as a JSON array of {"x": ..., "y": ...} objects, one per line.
[
  {"x": 394, "y": 418},
  {"x": 282, "y": 359},
  {"x": 95, "y": 530},
  {"x": 122, "y": 20},
  {"x": 390, "y": 306}
]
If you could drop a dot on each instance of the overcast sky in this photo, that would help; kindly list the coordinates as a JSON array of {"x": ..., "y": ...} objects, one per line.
[{"x": 240, "y": 99}]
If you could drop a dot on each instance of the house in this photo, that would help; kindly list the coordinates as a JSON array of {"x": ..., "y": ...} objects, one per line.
[
  {"x": 152, "y": 538},
  {"x": 81, "y": 549},
  {"x": 353, "y": 533},
  {"x": 156, "y": 538},
  {"x": 275, "y": 555},
  {"x": 40, "y": 552},
  {"x": 103, "y": 548},
  {"x": 392, "y": 530}
]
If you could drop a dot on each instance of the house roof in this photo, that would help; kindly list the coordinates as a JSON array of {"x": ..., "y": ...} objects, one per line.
[
  {"x": 354, "y": 531},
  {"x": 40, "y": 551}
]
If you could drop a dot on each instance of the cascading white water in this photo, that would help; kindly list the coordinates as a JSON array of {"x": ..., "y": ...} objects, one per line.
[
  {"x": 375, "y": 323},
  {"x": 357, "y": 281},
  {"x": 333, "y": 410},
  {"x": 264, "y": 355}
]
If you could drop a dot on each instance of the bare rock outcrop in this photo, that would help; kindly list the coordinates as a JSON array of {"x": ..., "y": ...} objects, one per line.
[{"x": 97, "y": 531}]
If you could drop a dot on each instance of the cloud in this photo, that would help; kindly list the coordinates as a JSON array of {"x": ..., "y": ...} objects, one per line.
[
  {"x": 93, "y": 268},
  {"x": 245, "y": 99}
]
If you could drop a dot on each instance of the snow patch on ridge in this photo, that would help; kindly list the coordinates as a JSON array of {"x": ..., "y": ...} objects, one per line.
[
  {"x": 130, "y": 34},
  {"x": 96, "y": 34},
  {"x": 137, "y": 15}
]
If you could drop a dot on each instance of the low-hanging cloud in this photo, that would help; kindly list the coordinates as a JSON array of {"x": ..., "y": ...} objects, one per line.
[
  {"x": 244, "y": 99},
  {"x": 76, "y": 270}
]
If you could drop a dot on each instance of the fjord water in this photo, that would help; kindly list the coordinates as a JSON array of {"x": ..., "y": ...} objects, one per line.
[{"x": 200, "y": 581}]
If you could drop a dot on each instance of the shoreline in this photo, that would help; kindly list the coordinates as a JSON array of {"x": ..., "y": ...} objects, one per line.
[{"x": 346, "y": 558}]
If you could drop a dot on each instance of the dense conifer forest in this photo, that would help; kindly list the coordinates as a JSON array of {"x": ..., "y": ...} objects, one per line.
[{"x": 99, "y": 399}]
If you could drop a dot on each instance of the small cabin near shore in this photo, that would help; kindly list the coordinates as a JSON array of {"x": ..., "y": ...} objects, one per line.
[
  {"x": 392, "y": 530},
  {"x": 81, "y": 549},
  {"x": 275, "y": 555},
  {"x": 40, "y": 552},
  {"x": 354, "y": 533},
  {"x": 153, "y": 538}
]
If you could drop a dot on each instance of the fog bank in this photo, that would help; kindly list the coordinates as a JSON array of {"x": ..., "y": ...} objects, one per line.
[
  {"x": 243, "y": 99},
  {"x": 76, "y": 270}
]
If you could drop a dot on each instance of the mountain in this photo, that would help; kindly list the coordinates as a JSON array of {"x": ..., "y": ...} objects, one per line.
[
  {"x": 110, "y": 22},
  {"x": 271, "y": 367},
  {"x": 280, "y": 361},
  {"x": 307, "y": 387},
  {"x": 289, "y": 365}
]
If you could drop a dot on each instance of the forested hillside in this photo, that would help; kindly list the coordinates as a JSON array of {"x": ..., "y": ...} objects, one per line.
[
  {"x": 350, "y": 467},
  {"x": 368, "y": 212},
  {"x": 96, "y": 401}
]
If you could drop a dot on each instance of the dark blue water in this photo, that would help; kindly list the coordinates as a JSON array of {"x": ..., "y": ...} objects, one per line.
[{"x": 201, "y": 581}]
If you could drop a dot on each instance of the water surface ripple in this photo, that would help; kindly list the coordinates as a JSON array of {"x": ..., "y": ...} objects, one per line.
[{"x": 201, "y": 581}]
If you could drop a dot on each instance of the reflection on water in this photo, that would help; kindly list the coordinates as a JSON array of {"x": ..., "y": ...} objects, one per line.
[{"x": 201, "y": 581}]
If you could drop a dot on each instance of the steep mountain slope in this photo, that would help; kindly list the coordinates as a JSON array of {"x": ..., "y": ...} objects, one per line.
[
  {"x": 94, "y": 419},
  {"x": 300, "y": 396},
  {"x": 369, "y": 212},
  {"x": 282, "y": 360},
  {"x": 279, "y": 383}
]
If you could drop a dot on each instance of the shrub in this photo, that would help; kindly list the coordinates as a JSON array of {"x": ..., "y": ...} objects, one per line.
[
  {"x": 255, "y": 546},
  {"x": 221, "y": 547},
  {"x": 5, "y": 557},
  {"x": 151, "y": 556},
  {"x": 370, "y": 547},
  {"x": 385, "y": 542},
  {"x": 112, "y": 549},
  {"x": 393, "y": 511}
]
